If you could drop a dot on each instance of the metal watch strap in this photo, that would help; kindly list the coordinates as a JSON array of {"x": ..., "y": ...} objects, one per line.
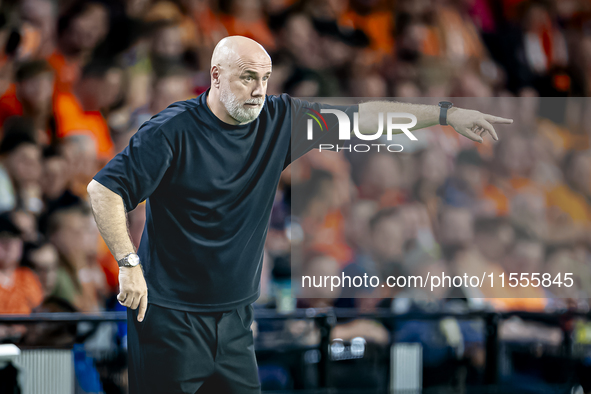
[{"x": 124, "y": 262}]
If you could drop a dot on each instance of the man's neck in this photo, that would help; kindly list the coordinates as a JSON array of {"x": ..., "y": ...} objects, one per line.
[{"x": 219, "y": 110}]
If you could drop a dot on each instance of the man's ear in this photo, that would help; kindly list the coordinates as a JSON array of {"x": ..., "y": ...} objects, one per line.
[{"x": 215, "y": 76}]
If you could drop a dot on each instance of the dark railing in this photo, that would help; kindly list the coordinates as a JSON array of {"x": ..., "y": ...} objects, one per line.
[{"x": 327, "y": 317}]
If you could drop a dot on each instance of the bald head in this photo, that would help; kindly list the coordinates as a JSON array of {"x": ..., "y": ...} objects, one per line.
[
  {"x": 240, "y": 68},
  {"x": 234, "y": 49}
]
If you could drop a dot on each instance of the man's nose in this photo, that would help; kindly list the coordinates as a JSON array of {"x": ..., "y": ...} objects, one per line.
[{"x": 259, "y": 89}]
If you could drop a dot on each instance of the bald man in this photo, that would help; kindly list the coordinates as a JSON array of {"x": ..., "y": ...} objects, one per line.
[{"x": 208, "y": 169}]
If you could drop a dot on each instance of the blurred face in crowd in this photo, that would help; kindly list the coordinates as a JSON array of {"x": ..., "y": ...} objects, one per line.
[
  {"x": 45, "y": 264},
  {"x": 528, "y": 209},
  {"x": 24, "y": 164},
  {"x": 42, "y": 14},
  {"x": 387, "y": 239},
  {"x": 537, "y": 18},
  {"x": 11, "y": 249},
  {"x": 514, "y": 156},
  {"x": 493, "y": 243},
  {"x": 70, "y": 236},
  {"x": 579, "y": 173},
  {"x": 526, "y": 256},
  {"x": 357, "y": 226},
  {"x": 456, "y": 227},
  {"x": 369, "y": 86},
  {"x": 560, "y": 261},
  {"x": 100, "y": 92},
  {"x": 167, "y": 91},
  {"x": 407, "y": 89},
  {"x": 240, "y": 70},
  {"x": 88, "y": 29},
  {"x": 433, "y": 166},
  {"x": 36, "y": 92},
  {"x": 196, "y": 6},
  {"x": 79, "y": 150},
  {"x": 247, "y": 10},
  {"x": 27, "y": 224},
  {"x": 301, "y": 40},
  {"x": 135, "y": 8},
  {"x": 168, "y": 42},
  {"x": 382, "y": 172},
  {"x": 321, "y": 266},
  {"x": 527, "y": 106},
  {"x": 336, "y": 53},
  {"x": 55, "y": 176},
  {"x": 471, "y": 176}
]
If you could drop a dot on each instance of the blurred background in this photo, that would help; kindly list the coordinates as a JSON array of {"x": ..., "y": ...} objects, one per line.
[{"x": 77, "y": 79}]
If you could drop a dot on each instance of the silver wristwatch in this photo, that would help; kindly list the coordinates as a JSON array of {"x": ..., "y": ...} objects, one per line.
[{"x": 131, "y": 260}]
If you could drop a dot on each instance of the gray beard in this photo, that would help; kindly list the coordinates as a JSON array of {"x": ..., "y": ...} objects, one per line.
[{"x": 235, "y": 107}]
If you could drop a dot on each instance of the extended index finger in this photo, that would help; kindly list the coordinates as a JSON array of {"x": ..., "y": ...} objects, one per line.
[
  {"x": 497, "y": 119},
  {"x": 142, "y": 310}
]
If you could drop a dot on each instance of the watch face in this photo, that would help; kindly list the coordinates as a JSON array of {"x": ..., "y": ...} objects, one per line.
[{"x": 133, "y": 259}]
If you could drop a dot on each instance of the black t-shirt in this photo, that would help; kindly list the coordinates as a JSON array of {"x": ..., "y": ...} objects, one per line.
[{"x": 209, "y": 188}]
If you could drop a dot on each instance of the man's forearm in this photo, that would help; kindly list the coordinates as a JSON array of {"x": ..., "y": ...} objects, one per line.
[
  {"x": 109, "y": 213},
  {"x": 427, "y": 115}
]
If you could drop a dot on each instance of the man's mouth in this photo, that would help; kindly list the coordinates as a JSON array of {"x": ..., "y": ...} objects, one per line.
[{"x": 252, "y": 105}]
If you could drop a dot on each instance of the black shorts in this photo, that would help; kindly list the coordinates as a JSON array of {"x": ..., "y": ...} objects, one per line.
[{"x": 174, "y": 352}]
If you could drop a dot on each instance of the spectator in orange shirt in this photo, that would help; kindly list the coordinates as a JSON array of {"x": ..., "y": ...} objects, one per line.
[
  {"x": 375, "y": 21},
  {"x": 20, "y": 290},
  {"x": 31, "y": 96},
  {"x": 80, "y": 30},
  {"x": 79, "y": 112}
]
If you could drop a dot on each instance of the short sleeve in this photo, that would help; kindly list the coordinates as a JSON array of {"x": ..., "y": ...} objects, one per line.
[
  {"x": 136, "y": 172},
  {"x": 325, "y": 127}
]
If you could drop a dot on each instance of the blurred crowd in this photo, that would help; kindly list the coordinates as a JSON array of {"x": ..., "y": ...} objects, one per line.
[
  {"x": 448, "y": 205},
  {"x": 78, "y": 77}
]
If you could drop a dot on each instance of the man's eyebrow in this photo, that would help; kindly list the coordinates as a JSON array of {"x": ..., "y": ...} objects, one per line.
[{"x": 252, "y": 72}]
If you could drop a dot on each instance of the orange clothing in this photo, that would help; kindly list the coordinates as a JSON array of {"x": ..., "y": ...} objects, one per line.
[
  {"x": 72, "y": 119},
  {"x": 67, "y": 72},
  {"x": 24, "y": 294},
  {"x": 500, "y": 200},
  {"x": 570, "y": 202},
  {"x": 519, "y": 304},
  {"x": 329, "y": 238},
  {"x": 257, "y": 30},
  {"x": 431, "y": 45},
  {"x": 9, "y": 104},
  {"x": 519, "y": 183},
  {"x": 461, "y": 39},
  {"x": 209, "y": 25},
  {"x": 378, "y": 26}
]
